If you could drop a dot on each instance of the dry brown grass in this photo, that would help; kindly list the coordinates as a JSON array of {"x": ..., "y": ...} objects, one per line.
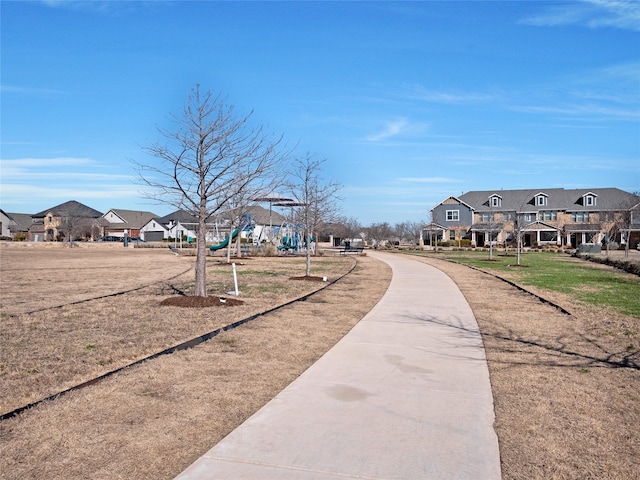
[
  {"x": 53, "y": 349},
  {"x": 153, "y": 420},
  {"x": 565, "y": 407}
]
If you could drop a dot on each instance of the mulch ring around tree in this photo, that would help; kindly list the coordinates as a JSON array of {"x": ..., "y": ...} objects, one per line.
[
  {"x": 193, "y": 301},
  {"x": 310, "y": 278}
]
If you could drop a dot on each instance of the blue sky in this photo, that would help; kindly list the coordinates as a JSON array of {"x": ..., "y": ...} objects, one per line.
[{"x": 408, "y": 102}]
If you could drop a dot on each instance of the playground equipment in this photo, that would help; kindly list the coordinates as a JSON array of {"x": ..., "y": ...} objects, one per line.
[
  {"x": 225, "y": 242},
  {"x": 292, "y": 238},
  {"x": 290, "y": 241}
]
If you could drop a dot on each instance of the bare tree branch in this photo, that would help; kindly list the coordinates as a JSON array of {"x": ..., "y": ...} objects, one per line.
[{"x": 211, "y": 158}]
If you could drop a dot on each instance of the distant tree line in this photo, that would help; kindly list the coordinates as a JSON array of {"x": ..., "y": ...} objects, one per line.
[{"x": 382, "y": 233}]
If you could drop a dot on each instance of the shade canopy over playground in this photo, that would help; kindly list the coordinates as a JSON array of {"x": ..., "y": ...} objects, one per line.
[{"x": 272, "y": 198}]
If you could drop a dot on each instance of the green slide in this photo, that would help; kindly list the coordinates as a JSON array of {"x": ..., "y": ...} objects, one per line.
[{"x": 225, "y": 242}]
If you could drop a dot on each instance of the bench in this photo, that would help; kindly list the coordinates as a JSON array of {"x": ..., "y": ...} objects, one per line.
[{"x": 349, "y": 249}]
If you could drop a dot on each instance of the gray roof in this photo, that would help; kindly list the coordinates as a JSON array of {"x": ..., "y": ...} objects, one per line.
[
  {"x": 178, "y": 216},
  {"x": 259, "y": 215},
  {"x": 71, "y": 209},
  {"x": 133, "y": 218},
  {"x": 557, "y": 199},
  {"x": 22, "y": 221}
]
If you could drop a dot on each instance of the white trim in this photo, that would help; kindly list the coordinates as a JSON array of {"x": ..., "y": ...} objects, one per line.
[{"x": 457, "y": 215}]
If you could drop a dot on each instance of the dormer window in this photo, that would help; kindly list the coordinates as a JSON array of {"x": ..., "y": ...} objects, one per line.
[
  {"x": 541, "y": 199},
  {"x": 589, "y": 199},
  {"x": 495, "y": 201}
]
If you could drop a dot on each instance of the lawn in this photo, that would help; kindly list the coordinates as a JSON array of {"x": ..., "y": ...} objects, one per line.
[
  {"x": 68, "y": 315},
  {"x": 586, "y": 283}
]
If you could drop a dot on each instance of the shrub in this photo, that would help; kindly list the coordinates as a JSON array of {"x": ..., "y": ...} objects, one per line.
[{"x": 623, "y": 264}]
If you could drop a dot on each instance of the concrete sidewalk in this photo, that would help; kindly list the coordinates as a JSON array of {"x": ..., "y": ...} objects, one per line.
[{"x": 404, "y": 395}]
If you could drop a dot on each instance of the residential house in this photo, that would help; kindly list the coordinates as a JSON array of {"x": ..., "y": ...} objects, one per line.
[
  {"x": 177, "y": 224},
  {"x": 69, "y": 219},
  {"x": 180, "y": 224},
  {"x": 117, "y": 222},
  {"x": 554, "y": 216},
  {"x": 5, "y": 220},
  {"x": 18, "y": 225},
  {"x": 258, "y": 223}
]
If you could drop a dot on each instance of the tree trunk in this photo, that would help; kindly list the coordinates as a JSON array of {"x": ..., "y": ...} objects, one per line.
[
  {"x": 239, "y": 244},
  {"x": 308, "y": 252},
  {"x": 627, "y": 244},
  {"x": 201, "y": 258}
]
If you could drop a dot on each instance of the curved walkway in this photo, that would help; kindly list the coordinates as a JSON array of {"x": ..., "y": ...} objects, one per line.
[{"x": 404, "y": 395}]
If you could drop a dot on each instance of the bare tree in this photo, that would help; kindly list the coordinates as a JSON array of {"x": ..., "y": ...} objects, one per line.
[
  {"x": 212, "y": 157},
  {"x": 317, "y": 199},
  {"x": 623, "y": 221},
  {"x": 75, "y": 227},
  {"x": 434, "y": 230},
  {"x": 409, "y": 231},
  {"x": 379, "y": 233},
  {"x": 518, "y": 230},
  {"x": 341, "y": 227}
]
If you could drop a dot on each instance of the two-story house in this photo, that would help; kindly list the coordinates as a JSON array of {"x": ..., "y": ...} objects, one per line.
[
  {"x": 69, "y": 220},
  {"x": 554, "y": 216}
]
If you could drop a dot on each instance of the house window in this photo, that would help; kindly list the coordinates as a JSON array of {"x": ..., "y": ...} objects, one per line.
[
  {"x": 485, "y": 217},
  {"x": 509, "y": 216},
  {"x": 153, "y": 225},
  {"x": 580, "y": 217},
  {"x": 453, "y": 215},
  {"x": 495, "y": 201},
  {"x": 541, "y": 200},
  {"x": 589, "y": 200},
  {"x": 548, "y": 236},
  {"x": 452, "y": 234},
  {"x": 529, "y": 217},
  {"x": 548, "y": 215}
]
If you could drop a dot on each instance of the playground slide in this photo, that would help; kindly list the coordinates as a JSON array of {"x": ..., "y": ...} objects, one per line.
[{"x": 225, "y": 242}]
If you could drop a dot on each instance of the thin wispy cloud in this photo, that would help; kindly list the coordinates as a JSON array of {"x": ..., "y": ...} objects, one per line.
[
  {"x": 590, "y": 13},
  {"x": 55, "y": 162},
  {"x": 10, "y": 173},
  {"x": 385, "y": 191},
  {"x": 400, "y": 127},
  {"x": 24, "y": 90},
  {"x": 588, "y": 111},
  {"x": 391, "y": 129},
  {"x": 65, "y": 192},
  {"x": 65, "y": 172},
  {"x": 597, "y": 95},
  {"x": 95, "y": 6},
  {"x": 423, "y": 94}
]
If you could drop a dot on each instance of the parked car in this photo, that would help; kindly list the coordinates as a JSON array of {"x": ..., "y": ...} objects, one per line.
[{"x": 110, "y": 238}]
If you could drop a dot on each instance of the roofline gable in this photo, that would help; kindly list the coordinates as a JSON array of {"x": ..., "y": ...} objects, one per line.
[
  {"x": 457, "y": 200},
  {"x": 115, "y": 212}
]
